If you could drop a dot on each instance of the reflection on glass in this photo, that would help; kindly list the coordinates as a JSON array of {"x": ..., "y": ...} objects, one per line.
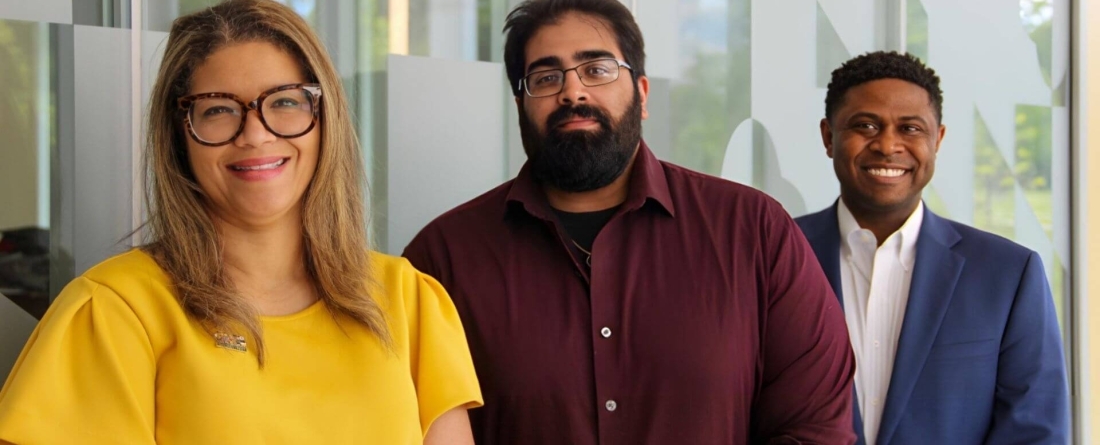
[
  {"x": 447, "y": 29},
  {"x": 916, "y": 29},
  {"x": 25, "y": 124},
  {"x": 994, "y": 193},
  {"x": 1036, "y": 16},
  {"x": 1034, "y": 169},
  {"x": 831, "y": 52},
  {"x": 189, "y": 6},
  {"x": 304, "y": 8},
  {"x": 1033, "y": 161},
  {"x": 711, "y": 94},
  {"x": 1035, "y": 138},
  {"x": 25, "y": 268}
]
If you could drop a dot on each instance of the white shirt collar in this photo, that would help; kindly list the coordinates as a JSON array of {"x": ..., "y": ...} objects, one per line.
[{"x": 906, "y": 236}]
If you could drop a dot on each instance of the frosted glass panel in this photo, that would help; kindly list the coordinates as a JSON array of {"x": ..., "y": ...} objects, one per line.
[
  {"x": 53, "y": 11},
  {"x": 103, "y": 159},
  {"x": 1003, "y": 66},
  {"x": 793, "y": 49},
  {"x": 445, "y": 139},
  {"x": 26, "y": 125},
  {"x": 28, "y": 56}
]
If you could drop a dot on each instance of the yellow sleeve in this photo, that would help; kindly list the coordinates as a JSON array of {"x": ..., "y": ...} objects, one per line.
[
  {"x": 86, "y": 375},
  {"x": 441, "y": 365}
]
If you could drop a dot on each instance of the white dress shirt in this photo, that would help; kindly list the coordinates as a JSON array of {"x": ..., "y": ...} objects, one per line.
[{"x": 875, "y": 283}]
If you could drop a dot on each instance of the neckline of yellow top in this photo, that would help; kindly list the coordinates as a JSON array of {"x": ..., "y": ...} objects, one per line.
[{"x": 316, "y": 306}]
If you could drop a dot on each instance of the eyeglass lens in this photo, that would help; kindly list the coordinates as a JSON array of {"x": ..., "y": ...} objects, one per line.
[
  {"x": 551, "y": 82},
  {"x": 287, "y": 113}
]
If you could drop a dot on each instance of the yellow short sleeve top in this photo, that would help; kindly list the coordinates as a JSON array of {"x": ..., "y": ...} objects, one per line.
[{"x": 115, "y": 360}]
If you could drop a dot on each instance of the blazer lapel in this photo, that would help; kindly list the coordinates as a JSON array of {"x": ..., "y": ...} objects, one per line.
[
  {"x": 823, "y": 233},
  {"x": 935, "y": 273}
]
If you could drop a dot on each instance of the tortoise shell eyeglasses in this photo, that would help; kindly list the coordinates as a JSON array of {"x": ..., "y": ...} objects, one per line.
[{"x": 287, "y": 111}]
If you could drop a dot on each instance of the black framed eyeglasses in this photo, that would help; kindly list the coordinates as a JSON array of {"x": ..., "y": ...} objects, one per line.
[
  {"x": 592, "y": 73},
  {"x": 287, "y": 111}
]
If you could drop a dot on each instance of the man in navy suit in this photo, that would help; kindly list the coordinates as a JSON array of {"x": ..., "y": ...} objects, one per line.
[{"x": 954, "y": 329}]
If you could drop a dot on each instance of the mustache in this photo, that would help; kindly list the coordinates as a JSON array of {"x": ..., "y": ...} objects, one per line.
[{"x": 567, "y": 112}]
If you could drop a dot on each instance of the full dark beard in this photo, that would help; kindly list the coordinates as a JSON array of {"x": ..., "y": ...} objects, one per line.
[{"x": 581, "y": 161}]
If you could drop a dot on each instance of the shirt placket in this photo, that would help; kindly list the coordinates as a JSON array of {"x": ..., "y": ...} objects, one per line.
[
  {"x": 872, "y": 342},
  {"x": 607, "y": 342},
  {"x": 604, "y": 312},
  {"x": 879, "y": 323}
]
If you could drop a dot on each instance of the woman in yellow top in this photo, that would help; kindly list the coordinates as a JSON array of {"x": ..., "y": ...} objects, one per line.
[{"x": 256, "y": 314}]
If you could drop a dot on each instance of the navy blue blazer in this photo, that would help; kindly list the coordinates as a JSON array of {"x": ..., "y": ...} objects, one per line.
[{"x": 979, "y": 358}]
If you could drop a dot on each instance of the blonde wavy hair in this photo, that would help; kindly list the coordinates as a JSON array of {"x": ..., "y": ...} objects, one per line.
[{"x": 181, "y": 236}]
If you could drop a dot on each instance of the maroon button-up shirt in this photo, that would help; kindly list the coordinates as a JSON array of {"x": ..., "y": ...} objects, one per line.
[{"x": 705, "y": 319}]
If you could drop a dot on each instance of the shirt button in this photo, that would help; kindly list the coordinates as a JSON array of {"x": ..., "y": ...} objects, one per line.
[
  {"x": 874, "y": 402},
  {"x": 611, "y": 405},
  {"x": 605, "y": 332},
  {"x": 876, "y": 343}
]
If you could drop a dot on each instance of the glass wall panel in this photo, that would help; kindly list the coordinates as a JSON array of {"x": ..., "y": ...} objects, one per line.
[
  {"x": 103, "y": 156},
  {"x": 52, "y": 11},
  {"x": 27, "y": 125},
  {"x": 1004, "y": 163},
  {"x": 737, "y": 90},
  {"x": 463, "y": 150}
]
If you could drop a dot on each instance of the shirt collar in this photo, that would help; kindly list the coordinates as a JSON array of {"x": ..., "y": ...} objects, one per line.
[
  {"x": 907, "y": 234},
  {"x": 647, "y": 182},
  {"x": 846, "y": 221}
]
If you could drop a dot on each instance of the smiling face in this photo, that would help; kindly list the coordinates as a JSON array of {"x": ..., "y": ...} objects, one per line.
[
  {"x": 883, "y": 140},
  {"x": 584, "y": 137},
  {"x": 257, "y": 178}
]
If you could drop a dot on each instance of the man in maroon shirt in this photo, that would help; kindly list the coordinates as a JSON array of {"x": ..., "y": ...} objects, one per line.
[{"x": 611, "y": 298}]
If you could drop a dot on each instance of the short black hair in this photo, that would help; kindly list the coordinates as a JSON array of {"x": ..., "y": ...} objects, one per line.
[
  {"x": 883, "y": 65},
  {"x": 529, "y": 16}
]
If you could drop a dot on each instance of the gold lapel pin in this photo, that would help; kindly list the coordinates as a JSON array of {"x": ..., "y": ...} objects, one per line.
[{"x": 228, "y": 341}]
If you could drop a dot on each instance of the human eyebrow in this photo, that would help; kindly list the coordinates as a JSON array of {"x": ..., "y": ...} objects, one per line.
[
  {"x": 917, "y": 119},
  {"x": 544, "y": 62},
  {"x": 593, "y": 54},
  {"x": 863, "y": 115}
]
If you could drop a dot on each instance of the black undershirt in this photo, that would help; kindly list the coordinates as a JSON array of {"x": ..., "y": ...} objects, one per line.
[{"x": 583, "y": 227}]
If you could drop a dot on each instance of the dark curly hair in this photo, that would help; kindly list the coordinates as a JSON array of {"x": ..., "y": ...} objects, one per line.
[
  {"x": 529, "y": 16},
  {"x": 882, "y": 65}
]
